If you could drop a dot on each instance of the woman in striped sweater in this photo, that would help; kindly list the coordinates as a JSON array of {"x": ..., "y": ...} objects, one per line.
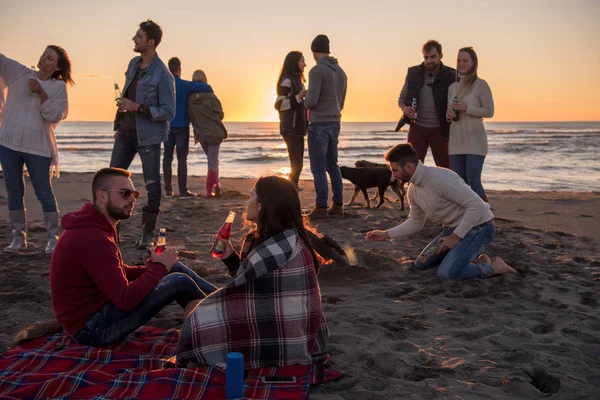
[
  {"x": 36, "y": 102},
  {"x": 292, "y": 112}
]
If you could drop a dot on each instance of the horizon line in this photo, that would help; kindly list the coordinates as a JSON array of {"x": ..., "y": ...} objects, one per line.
[{"x": 375, "y": 122}]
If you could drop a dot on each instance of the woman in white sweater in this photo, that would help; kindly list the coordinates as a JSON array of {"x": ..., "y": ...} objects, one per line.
[
  {"x": 469, "y": 101},
  {"x": 35, "y": 103}
]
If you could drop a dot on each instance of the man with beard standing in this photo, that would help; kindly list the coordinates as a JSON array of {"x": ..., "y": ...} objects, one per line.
[
  {"x": 428, "y": 83},
  {"x": 144, "y": 111},
  {"x": 96, "y": 297}
]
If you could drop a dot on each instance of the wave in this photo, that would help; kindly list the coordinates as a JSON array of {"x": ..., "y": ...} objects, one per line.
[{"x": 263, "y": 158}]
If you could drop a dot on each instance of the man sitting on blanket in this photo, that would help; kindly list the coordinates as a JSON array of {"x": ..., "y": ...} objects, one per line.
[
  {"x": 271, "y": 312},
  {"x": 96, "y": 297}
]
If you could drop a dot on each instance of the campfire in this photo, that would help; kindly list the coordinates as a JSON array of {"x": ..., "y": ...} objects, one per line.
[{"x": 328, "y": 251}]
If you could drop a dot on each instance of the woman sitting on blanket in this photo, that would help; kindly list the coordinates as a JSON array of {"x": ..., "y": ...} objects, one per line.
[{"x": 271, "y": 311}]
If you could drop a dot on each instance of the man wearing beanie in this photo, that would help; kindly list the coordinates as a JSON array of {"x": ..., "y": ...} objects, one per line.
[{"x": 325, "y": 101}]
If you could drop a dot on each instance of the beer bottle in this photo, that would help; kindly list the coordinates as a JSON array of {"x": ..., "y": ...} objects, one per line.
[
  {"x": 414, "y": 106},
  {"x": 161, "y": 243},
  {"x": 218, "y": 248},
  {"x": 455, "y": 110},
  {"x": 117, "y": 92}
]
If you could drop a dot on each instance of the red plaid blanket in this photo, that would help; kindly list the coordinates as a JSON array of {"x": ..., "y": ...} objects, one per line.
[{"x": 56, "y": 367}]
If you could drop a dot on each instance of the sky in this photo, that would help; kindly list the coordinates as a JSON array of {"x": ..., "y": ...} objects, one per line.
[{"x": 540, "y": 57}]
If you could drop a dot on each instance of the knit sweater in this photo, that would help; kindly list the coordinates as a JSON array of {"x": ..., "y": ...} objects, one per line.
[
  {"x": 467, "y": 135},
  {"x": 28, "y": 125},
  {"x": 442, "y": 195}
]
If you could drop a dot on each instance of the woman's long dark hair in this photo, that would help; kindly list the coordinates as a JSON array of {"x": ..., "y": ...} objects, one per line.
[
  {"x": 279, "y": 210},
  {"x": 64, "y": 65},
  {"x": 291, "y": 68}
]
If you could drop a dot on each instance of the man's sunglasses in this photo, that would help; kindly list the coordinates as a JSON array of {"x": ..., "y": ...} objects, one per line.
[{"x": 126, "y": 193}]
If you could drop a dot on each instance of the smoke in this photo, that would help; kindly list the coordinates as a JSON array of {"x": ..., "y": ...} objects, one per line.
[{"x": 351, "y": 255}]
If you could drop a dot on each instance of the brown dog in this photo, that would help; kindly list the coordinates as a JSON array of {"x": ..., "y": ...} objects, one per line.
[{"x": 396, "y": 185}]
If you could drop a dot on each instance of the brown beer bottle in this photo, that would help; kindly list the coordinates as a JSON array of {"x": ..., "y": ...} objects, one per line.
[
  {"x": 218, "y": 248},
  {"x": 414, "y": 106}
]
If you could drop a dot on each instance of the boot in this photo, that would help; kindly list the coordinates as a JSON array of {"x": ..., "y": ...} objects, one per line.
[
  {"x": 217, "y": 185},
  {"x": 336, "y": 209},
  {"x": 18, "y": 220},
  {"x": 318, "y": 213},
  {"x": 211, "y": 180},
  {"x": 148, "y": 225},
  {"x": 51, "y": 224}
]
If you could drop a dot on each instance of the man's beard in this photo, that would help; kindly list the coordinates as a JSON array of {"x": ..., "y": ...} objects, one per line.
[{"x": 117, "y": 213}]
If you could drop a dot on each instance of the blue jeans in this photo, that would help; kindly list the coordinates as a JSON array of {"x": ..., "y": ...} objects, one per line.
[
  {"x": 125, "y": 148},
  {"x": 323, "y": 139},
  {"x": 456, "y": 263},
  {"x": 469, "y": 167},
  {"x": 110, "y": 324},
  {"x": 39, "y": 171},
  {"x": 179, "y": 138}
]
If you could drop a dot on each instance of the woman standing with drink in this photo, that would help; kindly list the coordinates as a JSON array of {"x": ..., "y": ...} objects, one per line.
[
  {"x": 292, "y": 112},
  {"x": 271, "y": 312},
  {"x": 36, "y": 102},
  {"x": 206, "y": 115},
  {"x": 469, "y": 101}
]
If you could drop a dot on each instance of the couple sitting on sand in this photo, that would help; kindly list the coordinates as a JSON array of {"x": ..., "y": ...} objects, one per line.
[{"x": 271, "y": 311}]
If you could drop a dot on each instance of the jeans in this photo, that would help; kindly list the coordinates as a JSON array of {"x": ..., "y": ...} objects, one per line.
[
  {"x": 39, "y": 171},
  {"x": 323, "y": 139},
  {"x": 125, "y": 148},
  {"x": 295, "y": 149},
  {"x": 110, "y": 324},
  {"x": 421, "y": 138},
  {"x": 469, "y": 167},
  {"x": 212, "y": 155},
  {"x": 456, "y": 263},
  {"x": 179, "y": 138}
]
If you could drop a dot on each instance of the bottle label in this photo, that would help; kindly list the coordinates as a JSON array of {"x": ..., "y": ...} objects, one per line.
[{"x": 220, "y": 247}]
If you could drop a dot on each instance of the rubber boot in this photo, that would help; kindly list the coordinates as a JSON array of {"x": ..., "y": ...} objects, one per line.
[
  {"x": 217, "y": 185},
  {"x": 18, "y": 220},
  {"x": 51, "y": 224},
  {"x": 148, "y": 224},
  {"x": 211, "y": 179}
]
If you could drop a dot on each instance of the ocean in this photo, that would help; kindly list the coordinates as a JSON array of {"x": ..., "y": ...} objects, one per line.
[{"x": 529, "y": 156}]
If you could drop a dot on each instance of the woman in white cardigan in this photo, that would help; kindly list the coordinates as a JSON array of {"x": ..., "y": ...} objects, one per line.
[
  {"x": 36, "y": 101},
  {"x": 469, "y": 101}
]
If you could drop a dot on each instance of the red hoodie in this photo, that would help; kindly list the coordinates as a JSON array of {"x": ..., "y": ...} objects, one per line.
[{"x": 87, "y": 271}]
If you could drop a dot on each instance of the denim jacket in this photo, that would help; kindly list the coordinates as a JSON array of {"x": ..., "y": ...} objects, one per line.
[{"x": 155, "y": 90}]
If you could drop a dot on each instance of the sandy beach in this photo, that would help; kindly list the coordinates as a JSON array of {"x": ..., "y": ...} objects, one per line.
[{"x": 395, "y": 332}]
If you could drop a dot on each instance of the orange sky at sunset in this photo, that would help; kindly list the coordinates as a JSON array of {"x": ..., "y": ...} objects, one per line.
[{"x": 539, "y": 57}]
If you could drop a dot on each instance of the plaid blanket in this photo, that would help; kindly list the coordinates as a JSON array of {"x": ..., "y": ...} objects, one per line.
[
  {"x": 271, "y": 312},
  {"x": 58, "y": 368}
]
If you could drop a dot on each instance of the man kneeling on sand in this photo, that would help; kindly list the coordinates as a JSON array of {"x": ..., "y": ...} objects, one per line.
[
  {"x": 441, "y": 194},
  {"x": 96, "y": 297}
]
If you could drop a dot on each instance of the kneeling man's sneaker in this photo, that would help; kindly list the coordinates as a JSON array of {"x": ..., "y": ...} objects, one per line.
[
  {"x": 317, "y": 213},
  {"x": 336, "y": 210},
  {"x": 188, "y": 195}
]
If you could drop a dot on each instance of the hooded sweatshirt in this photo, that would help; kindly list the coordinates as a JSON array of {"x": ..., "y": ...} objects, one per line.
[
  {"x": 87, "y": 271},
  {"x": 326, "y": 91}
]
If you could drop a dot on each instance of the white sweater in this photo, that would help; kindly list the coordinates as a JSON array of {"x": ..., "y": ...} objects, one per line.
[
  {"x": 467, "y": 135},
  {"x": 442, "y": 195},
  {"x": 26, "y": 124}
]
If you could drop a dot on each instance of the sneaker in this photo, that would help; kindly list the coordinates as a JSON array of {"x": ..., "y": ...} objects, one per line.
[
  {"x": 318, "y": 213},
  {"x": 336, "y": 210},
  {"x": 169, "y": 193},
  {"x": 188, "y": 195}
]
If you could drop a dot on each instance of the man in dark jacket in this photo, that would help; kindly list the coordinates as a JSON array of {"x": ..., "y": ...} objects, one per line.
[
  {"x": 428, "y": 83},
  {"x": 325, "y": 101},
  {"x": 96, "y": 297}
]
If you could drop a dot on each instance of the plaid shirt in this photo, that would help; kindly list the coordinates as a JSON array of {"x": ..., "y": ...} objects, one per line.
[{"x": 271, "y": 312}]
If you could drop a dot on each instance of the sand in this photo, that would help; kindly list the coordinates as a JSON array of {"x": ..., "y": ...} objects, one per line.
[{"x": 395, "y": 332}]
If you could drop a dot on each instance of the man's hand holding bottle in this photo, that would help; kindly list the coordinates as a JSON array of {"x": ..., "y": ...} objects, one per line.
[{"x": 168, "y": 257}]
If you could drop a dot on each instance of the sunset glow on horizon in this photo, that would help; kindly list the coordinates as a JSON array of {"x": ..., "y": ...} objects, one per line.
[{"x": 539, "y": 57}]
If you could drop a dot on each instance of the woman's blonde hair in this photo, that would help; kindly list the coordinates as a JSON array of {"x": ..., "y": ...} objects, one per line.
[
  {"x": 467, "y": 81},
  {"x": 199, "y": 76}
]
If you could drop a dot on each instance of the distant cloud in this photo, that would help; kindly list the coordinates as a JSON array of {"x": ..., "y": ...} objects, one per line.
[{"x": 91, "y": 75}]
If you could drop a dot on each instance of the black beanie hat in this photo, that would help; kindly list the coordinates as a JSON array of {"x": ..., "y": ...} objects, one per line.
[{"x": 320, "y": 44}]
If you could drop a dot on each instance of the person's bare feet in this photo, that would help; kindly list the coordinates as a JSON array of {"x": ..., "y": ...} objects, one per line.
[
  {"x": 482, "y": 259},
  {"x": 500, "y": 267}
]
